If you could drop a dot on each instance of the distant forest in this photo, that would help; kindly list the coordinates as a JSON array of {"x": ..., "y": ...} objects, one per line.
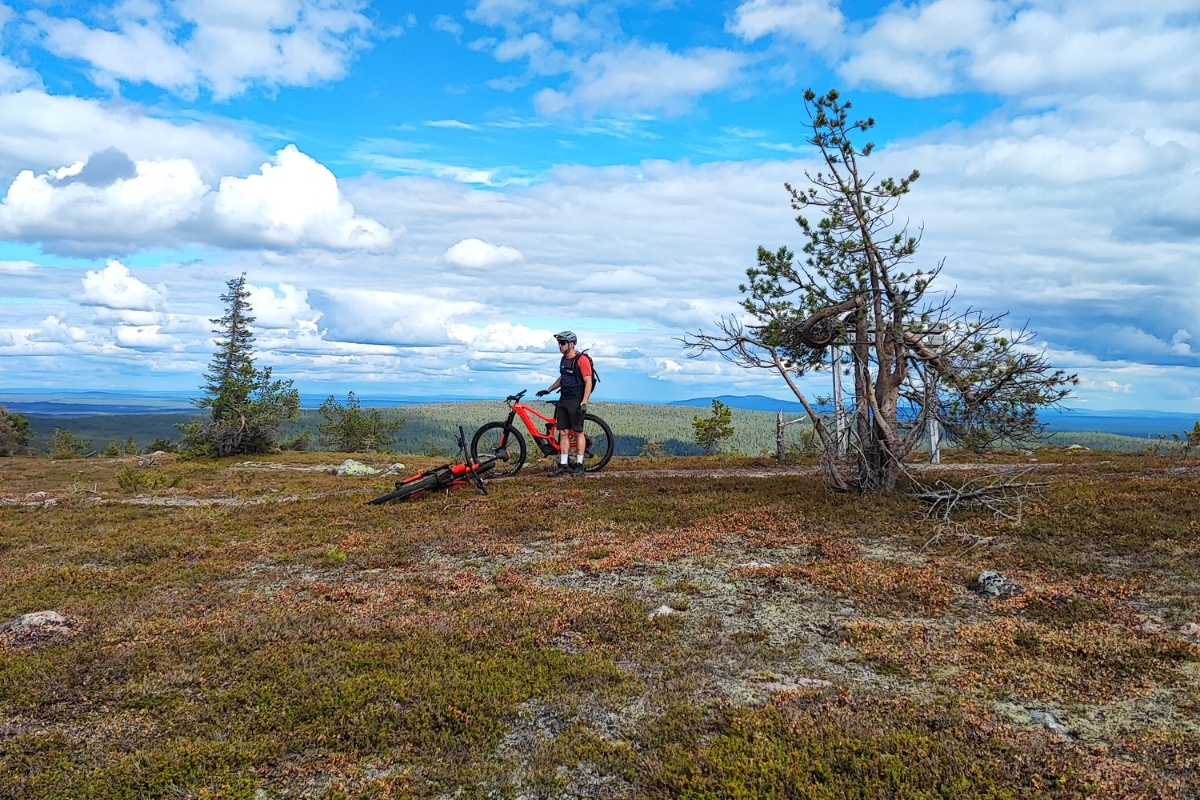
[{"x": 430, "y": 429}]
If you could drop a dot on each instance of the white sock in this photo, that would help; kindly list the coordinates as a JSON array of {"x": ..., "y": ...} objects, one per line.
[
  {"x": 578, "y": 458},
  {"x": 562, "y": 459}
]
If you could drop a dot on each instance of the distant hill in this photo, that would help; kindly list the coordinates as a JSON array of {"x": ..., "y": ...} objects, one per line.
[
  {"x": 750, "y": 402},
  {"x": 86, "y": 404},
  {"x": 1132, "y": 422}
]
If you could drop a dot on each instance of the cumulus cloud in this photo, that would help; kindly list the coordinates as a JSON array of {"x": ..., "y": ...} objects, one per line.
[
  {"x": 115, "y": 287},
  {"x": 389, "y": 318},
  {"x": 109, "y": 204},
  {"x": 501, "y": 337},
  {"x": 55, "y": 331},
  {"x": 81, "y": 216},
  {"x": 101, "y": 170},
  {"x": 285, "y": 308},
  {"x": 475, "y": 253},
  {"x": 294, "y": 201},
  {"x": 812, "y": 21},
  {"x": 144, "y": 337},
  {"x": 223, "y": 47},
  {"x": 43, "y": 131}
]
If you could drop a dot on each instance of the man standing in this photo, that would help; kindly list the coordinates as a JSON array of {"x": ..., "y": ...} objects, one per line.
[{"x": 575, "y": 381}]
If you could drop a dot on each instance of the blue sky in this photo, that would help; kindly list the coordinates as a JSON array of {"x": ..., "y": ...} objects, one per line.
[{"x": 422, "y": 193}]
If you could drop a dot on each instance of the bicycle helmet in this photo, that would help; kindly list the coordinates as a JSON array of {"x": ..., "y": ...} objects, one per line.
[{"x": 566, "y": 336}]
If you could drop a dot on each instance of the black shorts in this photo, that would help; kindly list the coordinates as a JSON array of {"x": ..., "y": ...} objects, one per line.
[{"x": 568, "y": 416}]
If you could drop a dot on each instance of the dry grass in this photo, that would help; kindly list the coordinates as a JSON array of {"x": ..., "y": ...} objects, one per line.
[{"x": 273, "y": 637}]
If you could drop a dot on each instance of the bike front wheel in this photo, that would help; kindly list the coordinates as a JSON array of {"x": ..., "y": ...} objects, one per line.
[
  {"x": 494, "y": 436},
  {"x": 599, "y": 443},
  {"x": 406, "y": 490}
]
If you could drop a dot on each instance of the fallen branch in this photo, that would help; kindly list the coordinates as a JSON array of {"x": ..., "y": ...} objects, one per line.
[{"x": 1004, "y": 494}]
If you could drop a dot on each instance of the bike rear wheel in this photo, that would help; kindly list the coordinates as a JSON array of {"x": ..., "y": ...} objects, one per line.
[
  {"x": 599, "y": 443},
  {"x": 494, "y": 436},
  {"x": 406, "y": 490}
]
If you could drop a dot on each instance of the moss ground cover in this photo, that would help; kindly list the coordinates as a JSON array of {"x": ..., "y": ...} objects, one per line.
[{"x": 253, "y": 630}]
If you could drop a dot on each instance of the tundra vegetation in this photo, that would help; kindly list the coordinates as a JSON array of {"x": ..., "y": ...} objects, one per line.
[
  {"x": 700, "y": 627},
  {"x": 856, "y": 305}
]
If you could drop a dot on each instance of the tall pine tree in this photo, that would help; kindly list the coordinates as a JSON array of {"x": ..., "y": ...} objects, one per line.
[{"x": 247, "y": 407}]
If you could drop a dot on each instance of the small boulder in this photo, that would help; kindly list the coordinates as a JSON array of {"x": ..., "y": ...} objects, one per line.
[
  {"x": 352, "y": 468},
  {"x": 996, "y": 584},
  {"x": 661, "y": 611},
  {"x": 394, "y": 469},
  {"x": 36, "y": 628},
  {"x": 1191, "y": 629},
  {"x": 1049, "y": 721}
]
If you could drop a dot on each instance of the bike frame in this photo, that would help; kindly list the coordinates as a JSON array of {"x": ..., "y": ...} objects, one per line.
[{"x": 550, "y": 437}]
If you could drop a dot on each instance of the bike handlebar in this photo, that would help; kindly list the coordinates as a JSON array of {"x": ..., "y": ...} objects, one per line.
[{"x": 515, "y": 398}]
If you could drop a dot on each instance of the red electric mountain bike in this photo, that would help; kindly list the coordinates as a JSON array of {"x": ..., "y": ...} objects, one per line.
[
  {"x": 471, "y": 470},
  {"x": 503, "y": 436}
]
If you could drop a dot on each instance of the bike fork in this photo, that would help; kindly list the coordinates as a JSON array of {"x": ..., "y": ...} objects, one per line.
[{"x": 508, "y": 423}]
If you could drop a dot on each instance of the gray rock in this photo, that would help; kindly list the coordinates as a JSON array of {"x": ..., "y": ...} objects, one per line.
[
  {"x": 995, "y": 584},
  {"x": 1190, "y": 629},
  {"x": 1050, "y": 722},
  {"x": 350, "y": 467},
  {"x": 37, "y": 627},
  {"x": 661, "y": 611}
]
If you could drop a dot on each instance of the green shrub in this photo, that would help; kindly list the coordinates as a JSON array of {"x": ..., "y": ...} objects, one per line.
[
  {"x": 162, "y": 443},
  {"x": 64, "y": 444},
  {"x": 301, "y": 443},
  {"x": 350, "y": 429},
  {"x": 135, "y": 479},
  {"x": 15, "y": 433}
]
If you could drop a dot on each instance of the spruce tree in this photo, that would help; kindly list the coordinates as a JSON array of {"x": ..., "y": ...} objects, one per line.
[
  {"x": 711, "y": 431},
  {"x": 246, "y": 406}
]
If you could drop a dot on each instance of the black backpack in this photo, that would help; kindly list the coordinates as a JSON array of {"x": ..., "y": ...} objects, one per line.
[{"x": 579, "y": 375}]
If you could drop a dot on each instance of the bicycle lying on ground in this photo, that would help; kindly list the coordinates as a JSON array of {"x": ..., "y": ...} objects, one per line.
[
  {"x": 471, "y": 470},
  {"x": 496, "y": 436}
]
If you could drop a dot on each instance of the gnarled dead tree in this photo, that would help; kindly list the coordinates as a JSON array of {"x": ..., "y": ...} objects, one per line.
[{"x": 910, "y": 356}]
